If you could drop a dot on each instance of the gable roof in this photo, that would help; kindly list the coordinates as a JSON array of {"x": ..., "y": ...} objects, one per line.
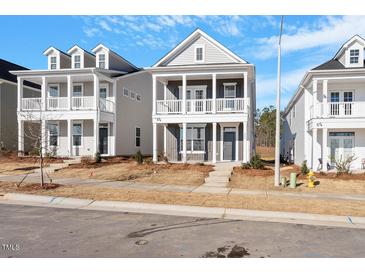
[
  {"x": 6, "y": 67},
  {"x": 198, "y": 32},
  {"x": 80, "y": 48},
  {"x": 55, "y": 49},
  {"x": 347, "y": 43}
]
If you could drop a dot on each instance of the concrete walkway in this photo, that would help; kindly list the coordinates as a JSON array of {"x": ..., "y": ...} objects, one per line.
[
  {"x": 34, "y": 178},
  {"x": 57, "y": 166}
]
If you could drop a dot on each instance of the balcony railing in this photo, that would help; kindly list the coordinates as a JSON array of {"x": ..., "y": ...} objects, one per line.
[
  {"x": 199, "y": 106},
  {"x": 340, "y": 109},
  {"x": 62, "y": 103}
]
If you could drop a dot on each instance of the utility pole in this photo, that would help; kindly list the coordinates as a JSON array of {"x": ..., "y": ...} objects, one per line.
[{"x": 277, "y": 130}]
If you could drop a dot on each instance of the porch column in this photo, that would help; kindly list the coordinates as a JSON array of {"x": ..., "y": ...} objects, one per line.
[
  {"x": 315, "y": 99},
  {"x": 44, "y": 145},
  {"x": 221, "y": 143},
  {"x": 20, "y": 137},
  {"x": 154, "y": 97},
  {"x": 164, "y": 91},
  {"x": 69, "y": 137},
  {"x": 245, "y": 90},
  {"x": 237, "y": 143},
  {"x": 214, "y": 150},
  {"x": 184, "y": 94},
  {"x": 96, "y": 135},
  {"x": 184, "y": 143},
  {"x": 244, "y": 146},
  {"x": 314, "y": 150},
  {"x": 69, "y": 92},
  {"x": 96, "y": 92},
  {"x": 164, "y": 140},
  {"x": 114, "y": 138},
  {"x": 214, "y": 93},
  {"x": 44, "y": 94},
  {"x": 154, "y": 149},
  {"x": 20, "y": 93},
  {"x": 324, "y": 149},
  {"x": 325, "y": 98}
]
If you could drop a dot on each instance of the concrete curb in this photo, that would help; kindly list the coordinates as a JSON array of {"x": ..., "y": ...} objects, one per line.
[{"x": 189, "y": 211}]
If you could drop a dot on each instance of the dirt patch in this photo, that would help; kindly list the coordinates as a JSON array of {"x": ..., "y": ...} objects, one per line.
[
  {"x": 35, "y": 187},
  {"x": 266, "y": 153},
  {"x": 178, "y": 174},
  {"x": 272, "y": 203},
  {"x": 253, "y": 172}
]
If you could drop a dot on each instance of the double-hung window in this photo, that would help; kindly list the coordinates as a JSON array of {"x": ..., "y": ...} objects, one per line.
[
  {"x": 77, "y": 90},
  {"x": 77, "y": 61},
  {"x": 53, "y": 135},
  {"x": 354, "y": 56},
  {"x": 199, "y": 53},
  {"x": 53, "y": 62},
  {"x": 195, "y": 139},
  {"x": 125, "y": 92},
  {"x": 229, "y": 95},
  {"x": 138, "y": 137},
  {"x": 102, "y": 60},
  {"x": 77, "y": 134}
]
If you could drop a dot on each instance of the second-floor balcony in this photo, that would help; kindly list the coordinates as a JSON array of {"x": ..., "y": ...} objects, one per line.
[
  {"x": 338, "y": 110},
  {"x": 200, "y": 106},
  {"x": 63, "y": 103}
]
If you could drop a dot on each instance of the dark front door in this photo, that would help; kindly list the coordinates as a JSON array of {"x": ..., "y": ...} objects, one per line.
[
  {"x": 103, "y": 140},
  {"x": 229, "y": 145}
]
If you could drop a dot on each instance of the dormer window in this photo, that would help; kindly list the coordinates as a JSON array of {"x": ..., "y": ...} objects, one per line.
[
  {"x": 354, "y": 56},
  {"x": 53, "y": 62},
  {"x": 77, "y": 61},
  {"x": 101, "y": 61},
  {"x": 199, "y": 53}
]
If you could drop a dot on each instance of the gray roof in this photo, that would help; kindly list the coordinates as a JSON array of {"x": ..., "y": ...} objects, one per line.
[
  {"x": 332, "y": 65},
  {"x": 6, "y": 67}
]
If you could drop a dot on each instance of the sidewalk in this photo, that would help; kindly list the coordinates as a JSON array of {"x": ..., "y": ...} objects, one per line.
[{"x": 34, "y": 178}]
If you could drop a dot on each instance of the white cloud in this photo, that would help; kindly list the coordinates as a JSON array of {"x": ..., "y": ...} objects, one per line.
[
  {"x": 104, "y": 25},
  {"x": 324, "y": 32}
]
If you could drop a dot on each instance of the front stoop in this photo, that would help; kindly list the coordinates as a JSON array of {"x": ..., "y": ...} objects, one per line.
[
  {"x": 218, "y": 178},
  {"x": 57, "y": 166}
]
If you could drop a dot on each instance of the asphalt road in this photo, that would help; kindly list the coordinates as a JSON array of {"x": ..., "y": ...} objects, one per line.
[{"x": 53, "y": 232}]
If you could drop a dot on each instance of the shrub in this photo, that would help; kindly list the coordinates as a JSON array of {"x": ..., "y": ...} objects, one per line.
[
  {"x": 97, "y": 157},
  {"x": 138, "y": 157},
  {"x": 256, "y": 162},
  {"x": 87, "y": 160},
  {"x": 343, "y": 165},
  {"x": 245, "y": 166},
  {"x": 304, "y": 168}
]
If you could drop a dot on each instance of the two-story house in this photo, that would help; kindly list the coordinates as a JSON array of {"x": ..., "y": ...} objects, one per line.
[
  {"x": 203, "y": 103},
  {"x": 325, "y": 119},
  {"x": 89, "y": 102}
]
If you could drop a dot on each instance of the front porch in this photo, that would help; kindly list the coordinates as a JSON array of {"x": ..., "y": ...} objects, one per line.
[
  {"x": 66, "y": 138},
  {"x": 203, "y": 142}
]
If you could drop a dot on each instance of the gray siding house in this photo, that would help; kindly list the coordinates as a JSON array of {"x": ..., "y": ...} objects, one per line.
[{"x": 203, "y": 103}]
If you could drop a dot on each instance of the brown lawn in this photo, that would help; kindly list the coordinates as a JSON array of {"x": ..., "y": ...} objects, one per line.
[
  {"x": 326, "y": 183},
  {"x": 126, "y": 170},
  {"x": 332, "y": 207}
]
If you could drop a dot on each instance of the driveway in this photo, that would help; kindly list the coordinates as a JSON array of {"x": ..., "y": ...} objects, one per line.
[{"x": 53, "y": 232}]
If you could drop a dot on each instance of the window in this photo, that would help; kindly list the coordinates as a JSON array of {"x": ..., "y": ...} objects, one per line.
[
  {"x": 76, "y": 134},
  {"x": 133, "y": 95},
  {"x": 199, "y": 54},
  {"x": 138, "y": 136},
  {"x": 53, "y": 134},
  {"x": 53, "y": 91},
  {"x": 125, "y": 92},
  {"x": 103, "y": 92},
  {"x": 77, "y": 90},
  {"x": 195, "y": 139},
  {"x": 77, "y": 61},
  {"x": 354, "y": 56},
  {"x": 53, "y": 62},
  {"x": 138, "y": 97},
  {"x": 102, "y": 61},
  {"x": 229, "y": 90},
  {"x": 347, "y": 96}
]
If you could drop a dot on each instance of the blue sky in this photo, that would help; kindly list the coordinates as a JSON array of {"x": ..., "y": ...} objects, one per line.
[{"x": 307, "y": 41}]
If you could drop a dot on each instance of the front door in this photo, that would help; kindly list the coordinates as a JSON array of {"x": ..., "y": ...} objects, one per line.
[
  {"x": 229, "y": 144},
  {"x": 103, "y": 139}
]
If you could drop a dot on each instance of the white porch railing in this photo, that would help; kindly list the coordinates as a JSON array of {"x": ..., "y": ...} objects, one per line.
[
  {"x": 83, "y": 102},
  {"x": 106, "y": 105},
  {"x": 202, "y": 106},
  {"x": 340, "y": 109},
  {"x": 57, "y": 103},
  {"x": 31, "y": 104},
  {"x": 232, "y": 105},
  {"x": 199, "y": 106},
  {"x": 169, "y": 106}
]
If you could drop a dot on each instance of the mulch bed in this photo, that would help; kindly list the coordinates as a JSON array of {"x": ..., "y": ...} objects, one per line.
[
  {"x": 46, "y": 186},
  {"x": 254, "y": 172}
]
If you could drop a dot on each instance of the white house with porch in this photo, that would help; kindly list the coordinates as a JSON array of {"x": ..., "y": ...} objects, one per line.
[
  {"x": 88, "y": 103},
  {"x": 203, "y": 103},
  {"x": 325, "y": 119}
]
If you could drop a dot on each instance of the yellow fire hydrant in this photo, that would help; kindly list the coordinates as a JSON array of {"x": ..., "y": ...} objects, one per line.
[{"x": 311, "y": 179}]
